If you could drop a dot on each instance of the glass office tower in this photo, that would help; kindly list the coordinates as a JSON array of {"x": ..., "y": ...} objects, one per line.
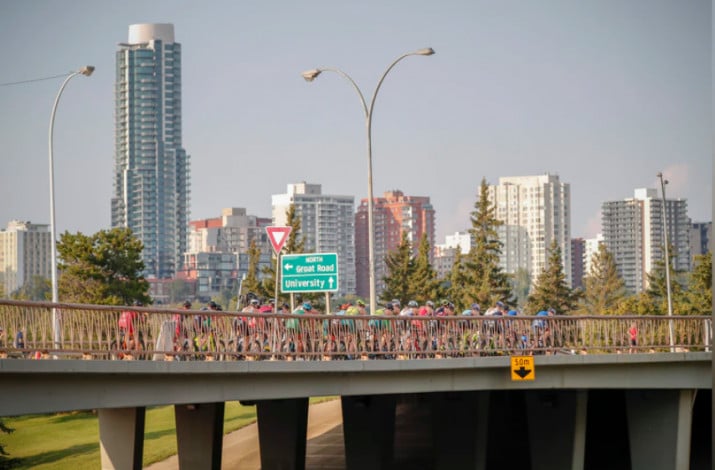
[{"x": 151, "y": 168}]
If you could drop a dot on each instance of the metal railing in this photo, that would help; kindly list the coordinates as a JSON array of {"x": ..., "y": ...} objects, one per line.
[{"x": 99, "y": 332}]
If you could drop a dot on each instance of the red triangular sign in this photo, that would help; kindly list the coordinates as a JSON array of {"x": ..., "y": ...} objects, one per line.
[{"x": 278, "y": 236}]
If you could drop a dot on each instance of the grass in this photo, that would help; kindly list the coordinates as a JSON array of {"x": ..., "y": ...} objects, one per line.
[{"x": 71, "y": 440}]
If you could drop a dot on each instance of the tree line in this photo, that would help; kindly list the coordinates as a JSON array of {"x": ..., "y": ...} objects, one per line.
[{"x": 106, "y": 268}]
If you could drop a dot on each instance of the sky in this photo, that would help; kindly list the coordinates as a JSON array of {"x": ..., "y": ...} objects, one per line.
[{"x": 605, "y": 94}]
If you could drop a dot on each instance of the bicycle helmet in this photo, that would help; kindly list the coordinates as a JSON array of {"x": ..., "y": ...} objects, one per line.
[
  {"x": 412, "y": 303},
  {"x": 307, "y": 306}
]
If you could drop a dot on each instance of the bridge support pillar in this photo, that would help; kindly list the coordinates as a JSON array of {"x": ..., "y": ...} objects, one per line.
[
  {"x": 557, "y": 429},
  {"x": 199, "y": 435},
  {"x": 659, "y": 427},
  {"x": 369, "y": 431},
  {"x": 121, "y": 437},
  {"x": 460, "y": 429},
  {"x": 282, "y": 431}
]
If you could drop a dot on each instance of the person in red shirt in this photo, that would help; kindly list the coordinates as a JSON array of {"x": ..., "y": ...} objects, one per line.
[{"x": 129, "y": 337}]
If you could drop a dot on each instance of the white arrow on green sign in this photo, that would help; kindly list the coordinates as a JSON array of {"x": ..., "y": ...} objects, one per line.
[{"x": 311, "y": 272}]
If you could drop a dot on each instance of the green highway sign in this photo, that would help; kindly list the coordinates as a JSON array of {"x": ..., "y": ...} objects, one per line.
[{"x": 312, "y": 272}]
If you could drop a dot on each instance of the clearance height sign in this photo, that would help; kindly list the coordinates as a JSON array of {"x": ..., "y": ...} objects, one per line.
[{"x": 313, "y": 272}]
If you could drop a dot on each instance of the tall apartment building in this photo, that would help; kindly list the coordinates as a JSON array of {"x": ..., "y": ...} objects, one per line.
[
  {"x": 444, "y": 254},
  {"x": 151, "y": 168},
  {"x": 217, "y": 257},
  {"x": 701, "y": 234},
  {"x": 590, "y": 249},
  {"x": 633, "y": 232},
  {"x": 393, "y": 214},
  {"x": 535, "y": 210},
  {"x": 326, "y": 225},
  {"x": 578, "y": 262},
  {"x": 25, "y": 251}
]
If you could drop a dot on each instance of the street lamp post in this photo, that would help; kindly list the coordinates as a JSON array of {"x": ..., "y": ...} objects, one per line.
[
  {"x": 309, "y": 76},
  {"x": 667, "y": 260},
  {"x": 86, "y": 71}
]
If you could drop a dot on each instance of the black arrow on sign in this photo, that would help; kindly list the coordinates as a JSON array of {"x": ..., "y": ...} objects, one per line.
[{"x": 522, "y": 372}]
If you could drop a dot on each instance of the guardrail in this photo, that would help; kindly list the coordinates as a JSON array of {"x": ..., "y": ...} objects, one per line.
[{"x": 107, "y": 332}]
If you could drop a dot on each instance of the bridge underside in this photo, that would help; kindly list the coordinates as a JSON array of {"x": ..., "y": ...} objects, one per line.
[{"x": 543, "y": 429}]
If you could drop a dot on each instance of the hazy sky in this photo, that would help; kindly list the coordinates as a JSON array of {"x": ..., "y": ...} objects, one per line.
[{"x": 603, "y": 93}]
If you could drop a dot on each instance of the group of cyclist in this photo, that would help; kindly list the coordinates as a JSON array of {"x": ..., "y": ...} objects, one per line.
[{"x": 417, "y": 332}]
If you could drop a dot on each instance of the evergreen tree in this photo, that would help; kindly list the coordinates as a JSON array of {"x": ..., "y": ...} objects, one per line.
[
  {"x": 698, "y": 299},
  {"x": 457, "y": 290},
  {"x": 551, "y": 289},
  {"x": 104, "y": 268},
  {"x": 657, "y": 290},
  {"x": 486, "y": 283},
  {"x": 424, "y": 284},
  {"x": 400, "y": 270},
  {"x": 604, "y": 288},
  {"x": 638, "y": 304},
  {"x": 251, "y": 283},
  {"x": 37, "y": 288},
  {"x": 521, "y": 285}
]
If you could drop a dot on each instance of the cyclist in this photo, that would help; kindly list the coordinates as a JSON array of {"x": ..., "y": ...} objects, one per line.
[{"x": 129, "y": 337}]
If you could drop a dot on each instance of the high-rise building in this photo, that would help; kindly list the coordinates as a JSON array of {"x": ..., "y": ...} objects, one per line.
[
  {"x": 536, "y": 210},
  {"x": 701, "y": 234},
  {"x": 217, "y": 257},
  {"x": 590, "y": 249},
  {"x": 151, "y": 168},
  {"x": 578, "y": 253},
  {"x": 326, "y": 226},
  {"x": 393, "y": 214},
  {"x": 444, "y": 254},
  {"x": 633, "y": 233},
  {"x": 24, "y": 253}
]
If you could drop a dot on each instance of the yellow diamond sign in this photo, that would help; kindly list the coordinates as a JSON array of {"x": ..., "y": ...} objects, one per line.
[{"x": 522, "y": 368}]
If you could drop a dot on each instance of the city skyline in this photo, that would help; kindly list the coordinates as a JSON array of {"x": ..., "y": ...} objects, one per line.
[{"x": 583, "y": 91}]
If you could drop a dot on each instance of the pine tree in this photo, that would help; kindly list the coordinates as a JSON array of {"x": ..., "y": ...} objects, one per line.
[
  {"x": 551, "y": 289},
  {"x": 604, "y": 288},
  {"x": 457, "y": 290},
  {"x": 698, "y": 299},
  {"x": 424, "y": 284},
  {"x": 657, "y": 290},
  {"x": 485, "y": 282},
  {"x": 400, "y": 269},
  {"x": 251, "y": 283},
  {"x": 521, "y": 285}
]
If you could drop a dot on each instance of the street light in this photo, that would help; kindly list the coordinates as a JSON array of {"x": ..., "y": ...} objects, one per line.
[
  {"x": 86, "y": 71},
  {"x": 667, "y": 260},
  {"x": 311, "y": 75}
]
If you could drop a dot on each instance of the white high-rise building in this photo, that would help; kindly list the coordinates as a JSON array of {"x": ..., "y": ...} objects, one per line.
[
  {"x": 327, "y": 225},
  {"x": 24, "y": 253},
  {"x": 633, "y": 233},
  {"x": 151, "y": 168},
  {"x": 590, "y": 249},
  {"x": 535, "y": 210}
]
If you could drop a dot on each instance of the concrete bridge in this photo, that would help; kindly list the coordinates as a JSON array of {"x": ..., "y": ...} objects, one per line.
[
  {"x": 594, "y": 393},
  {"x": 658, "y": 406}
]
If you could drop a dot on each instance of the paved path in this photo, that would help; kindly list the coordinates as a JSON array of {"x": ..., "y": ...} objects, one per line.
[{"x": 240, "y": 448}]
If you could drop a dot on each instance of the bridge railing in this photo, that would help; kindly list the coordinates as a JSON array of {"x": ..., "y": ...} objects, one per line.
[{"x": 106, "y": 332}]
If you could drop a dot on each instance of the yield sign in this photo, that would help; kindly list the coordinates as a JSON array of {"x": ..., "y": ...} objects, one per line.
[{"x": 278, "y": 236}]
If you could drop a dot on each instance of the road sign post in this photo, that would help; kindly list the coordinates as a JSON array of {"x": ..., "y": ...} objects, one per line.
[{"x": 278, "y": 236}]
